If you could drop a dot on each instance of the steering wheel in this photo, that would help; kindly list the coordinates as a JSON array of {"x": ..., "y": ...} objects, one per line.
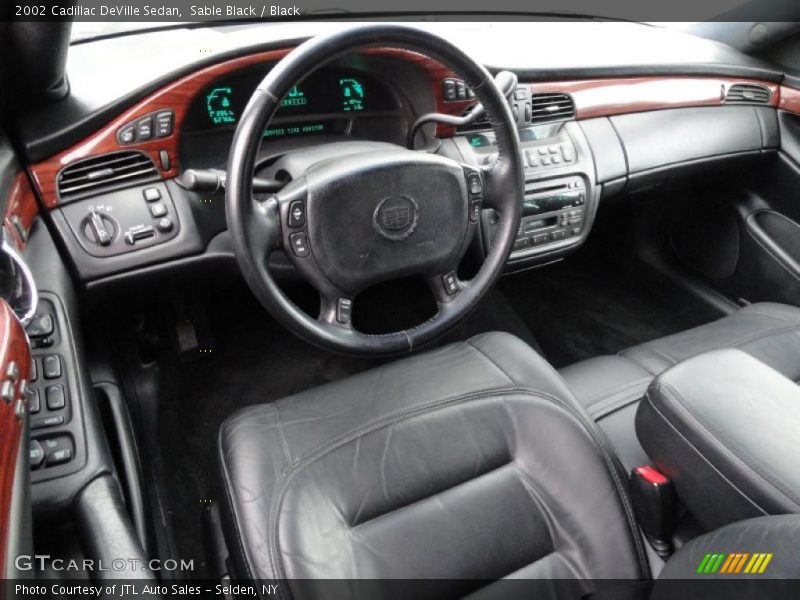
[{"x": 371, "y": 215}]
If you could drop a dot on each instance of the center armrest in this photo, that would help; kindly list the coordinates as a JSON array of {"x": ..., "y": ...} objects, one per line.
[{"x": 726, "y": 429}]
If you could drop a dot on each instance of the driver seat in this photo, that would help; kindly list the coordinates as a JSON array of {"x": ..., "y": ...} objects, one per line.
[{"x": 470, "y": 463}]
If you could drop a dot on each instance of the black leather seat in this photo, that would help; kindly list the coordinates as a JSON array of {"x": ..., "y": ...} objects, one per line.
[
  {"x": 469, "y": 463},
  {"x": 610, "y": 387}
]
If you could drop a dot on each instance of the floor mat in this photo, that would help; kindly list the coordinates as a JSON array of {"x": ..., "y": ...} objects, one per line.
[{"x": 598, "y": 303}]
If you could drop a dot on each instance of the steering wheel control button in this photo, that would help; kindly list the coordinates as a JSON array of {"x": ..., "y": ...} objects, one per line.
[
  {"x": 299, "y": 243},
  {"x": 450, "y": 283},
  {"x": 51, "y": 366},
  {"x": 344, "y": 309},
  {"x": 297, "y": 213},
  {"x": 151, "y": 194},
  {"x": 475, "y": 210},
  {"x": 36, "y": 454},
  {"x": 157, "y": 209},
  {"x": 55, "y": 397},
  {"x": 475, "y": 185}
]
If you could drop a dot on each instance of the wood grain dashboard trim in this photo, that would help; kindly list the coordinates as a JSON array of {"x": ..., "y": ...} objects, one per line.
[
  {"x": 178, "y": 97},
  {"x": 13, "y": 347},
  {"x": 608, "y": 97},
  {"x": 21, "y": 210},
  {"x": 593, "y": 98},
  {"x": 790, "y": 99}
]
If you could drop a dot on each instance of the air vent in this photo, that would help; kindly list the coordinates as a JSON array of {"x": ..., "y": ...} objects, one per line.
[
  {"x": 98, "y": 174},
  {"x": 551, "y": 106},
  {"x": 747, "y": 93}
]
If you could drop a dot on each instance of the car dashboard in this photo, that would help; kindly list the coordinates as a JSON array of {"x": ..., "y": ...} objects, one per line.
[{"x": 114, "y": 195}]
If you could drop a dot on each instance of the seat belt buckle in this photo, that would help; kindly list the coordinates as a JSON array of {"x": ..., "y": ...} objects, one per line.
[{"x": 655, "y": 504}]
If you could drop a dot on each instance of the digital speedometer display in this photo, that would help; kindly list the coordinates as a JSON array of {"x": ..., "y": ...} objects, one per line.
[{"x": 325, "y": 97}]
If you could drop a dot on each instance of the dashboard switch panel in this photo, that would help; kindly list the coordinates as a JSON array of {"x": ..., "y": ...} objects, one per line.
[
  {"x": 153, "y": 125},
  {"x": 124, "y": 220}
]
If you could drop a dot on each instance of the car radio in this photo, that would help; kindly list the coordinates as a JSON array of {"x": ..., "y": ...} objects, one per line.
[{"x": 552, "y": 211}]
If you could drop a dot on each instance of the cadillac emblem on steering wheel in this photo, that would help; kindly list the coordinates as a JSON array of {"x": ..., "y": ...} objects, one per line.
[{"x": 396, "y": 218}]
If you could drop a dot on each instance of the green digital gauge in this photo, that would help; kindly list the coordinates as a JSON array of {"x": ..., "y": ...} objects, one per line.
[
  {"x": 353, "y": 95},
  {"x": 295, "y": 97},
  {"x": 218, "y": 104}
]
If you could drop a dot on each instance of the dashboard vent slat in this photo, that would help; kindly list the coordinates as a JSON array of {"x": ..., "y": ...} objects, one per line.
[
  {"x": 551, "y": 106},
  {"x": 104, "y": 173},
  {"x": 748, "y": 93}
]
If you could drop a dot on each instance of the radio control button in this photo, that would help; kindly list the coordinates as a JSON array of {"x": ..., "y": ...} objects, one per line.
[
  {"x": 558, "y": 234},
  {"x": 521, "y": 243},
  {"x": 540, "y": 239},
  {"x": 553, "y": 149},
  {"x": 542, "y": 150},
  {"x": 576, "y": 231}
]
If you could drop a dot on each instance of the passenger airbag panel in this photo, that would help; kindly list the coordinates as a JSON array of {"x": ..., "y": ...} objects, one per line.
[{"x": 659, "y": 138}]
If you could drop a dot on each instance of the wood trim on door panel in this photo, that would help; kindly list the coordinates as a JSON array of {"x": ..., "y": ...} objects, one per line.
[
  {"x": 13, "y": 348},
  {"x": 21, "y": 210}
]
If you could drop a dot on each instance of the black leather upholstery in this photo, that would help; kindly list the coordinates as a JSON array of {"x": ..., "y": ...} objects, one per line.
[
  {"x": 471, "y": 462},
  {"x": 724, "y": 427},
  {"x": 610, "y": 387}
]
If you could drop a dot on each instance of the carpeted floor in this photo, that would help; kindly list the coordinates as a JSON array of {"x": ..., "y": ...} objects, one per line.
[{"x": 598, "y": 303}]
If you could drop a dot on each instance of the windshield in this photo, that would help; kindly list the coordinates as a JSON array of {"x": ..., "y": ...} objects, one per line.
[{"x": 87, "y": 30}]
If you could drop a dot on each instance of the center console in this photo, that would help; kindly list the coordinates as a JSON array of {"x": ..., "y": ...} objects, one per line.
[
  {"x": 723, "y": 426},
  {"x": 560, "y": 190}
]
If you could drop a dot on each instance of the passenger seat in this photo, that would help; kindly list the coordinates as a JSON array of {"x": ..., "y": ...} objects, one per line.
[{"x": 610, "y": 387}]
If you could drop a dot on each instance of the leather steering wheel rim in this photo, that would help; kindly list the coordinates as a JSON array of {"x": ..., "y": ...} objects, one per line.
[{"x": 256, "y": 226}]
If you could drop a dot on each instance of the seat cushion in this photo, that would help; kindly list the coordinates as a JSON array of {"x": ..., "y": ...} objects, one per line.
[
  {"x": 610, "y": 387},
  {"x": 473, "y": 462}
]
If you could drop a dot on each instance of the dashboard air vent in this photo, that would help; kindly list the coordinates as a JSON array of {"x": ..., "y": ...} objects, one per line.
[
  {"x": 551, "y": 106},
  {"x": 104, "y": 173},
  {"x": 747, "y": 93}
]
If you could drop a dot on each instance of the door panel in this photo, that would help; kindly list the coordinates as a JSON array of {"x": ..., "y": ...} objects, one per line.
[{"x": 15, "y": 366}]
